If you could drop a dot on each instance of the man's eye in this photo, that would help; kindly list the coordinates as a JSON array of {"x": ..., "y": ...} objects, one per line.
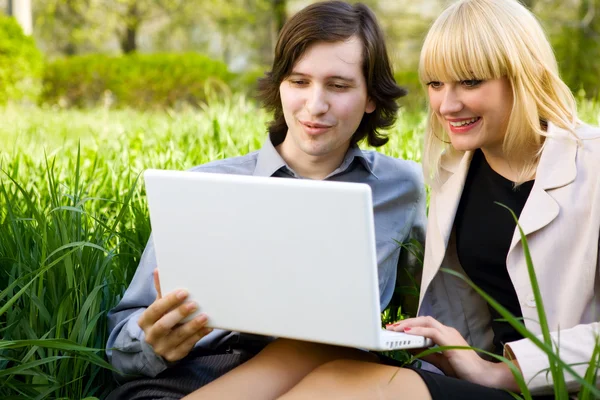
[
  {"x": 298, "y": 82},
  {"x": 339, "y": 86},
  {"x": 434, "y": 84},
  {"x": 471, "y": 82}
]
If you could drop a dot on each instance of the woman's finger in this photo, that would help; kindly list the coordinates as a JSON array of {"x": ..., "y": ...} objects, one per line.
[
  {"x": 429, "y": 322},
  {"x": 434, "y": 334}
]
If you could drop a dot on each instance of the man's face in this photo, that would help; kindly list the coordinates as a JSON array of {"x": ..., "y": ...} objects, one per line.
[{"x": 324, "y": 99}]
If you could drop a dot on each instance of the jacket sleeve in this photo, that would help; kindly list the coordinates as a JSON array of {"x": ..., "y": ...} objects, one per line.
[
  {"x": 576, "y": 346},
  {"x": 126, "y": 348}
]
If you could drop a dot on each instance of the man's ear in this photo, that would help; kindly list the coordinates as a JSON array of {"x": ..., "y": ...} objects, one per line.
[{"x": 370, "y": 107}]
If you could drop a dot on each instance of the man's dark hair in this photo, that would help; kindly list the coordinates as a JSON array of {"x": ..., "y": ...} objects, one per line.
[{"x": 333, "y": 21}]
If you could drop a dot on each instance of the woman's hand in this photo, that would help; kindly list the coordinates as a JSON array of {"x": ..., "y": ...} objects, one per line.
[{"x": 460, "y": 363}]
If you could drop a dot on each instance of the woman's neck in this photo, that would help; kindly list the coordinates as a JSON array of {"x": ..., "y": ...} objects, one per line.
[{"x": 509, "y": 169}]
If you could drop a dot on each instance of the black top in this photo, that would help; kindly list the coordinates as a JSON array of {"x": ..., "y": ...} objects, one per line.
[{"x": 484, "y": 231}]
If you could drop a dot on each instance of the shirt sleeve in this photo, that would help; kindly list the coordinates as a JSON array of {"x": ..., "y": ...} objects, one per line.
[{"x": 126, "y": 348}]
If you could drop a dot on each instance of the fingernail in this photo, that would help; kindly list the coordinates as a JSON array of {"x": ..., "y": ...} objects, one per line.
[
  {"x": 201, "y": 318},
  {"x": 192, "y": 306},
  {"x": 181, "y": 294},
  {"x": 406, "y": 329}
]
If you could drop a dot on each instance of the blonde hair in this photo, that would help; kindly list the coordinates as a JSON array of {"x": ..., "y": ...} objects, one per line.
[{"x": 491, "y": 39}]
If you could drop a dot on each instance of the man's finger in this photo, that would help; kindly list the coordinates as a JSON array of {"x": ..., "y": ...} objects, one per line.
[
  {"x": 160, "y": 307},
  {"x": 169, "y": 321},
  {"x": 190, "y": 328},
  {"x": 157, "y": 283},
  {"x": 185, "y": 347}
]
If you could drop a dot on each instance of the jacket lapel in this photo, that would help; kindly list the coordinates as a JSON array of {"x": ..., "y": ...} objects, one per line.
[
  {"x": 446, "y": 202},
  {"x": 557, "y": 168},
  {"x": 449, "y": 194}
]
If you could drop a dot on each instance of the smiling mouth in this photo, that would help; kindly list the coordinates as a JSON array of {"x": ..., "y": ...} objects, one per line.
[
  {"x": 466, "y": 122},
  {"x": 314, "y": 125}
]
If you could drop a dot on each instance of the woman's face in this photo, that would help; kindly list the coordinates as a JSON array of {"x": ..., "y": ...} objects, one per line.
[{"x": 475, "y": 113}]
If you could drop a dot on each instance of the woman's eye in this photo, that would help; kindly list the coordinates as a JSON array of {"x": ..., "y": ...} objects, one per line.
[
  {"x": 434, "y": 84},
  {"x": 471, "y": 82}
]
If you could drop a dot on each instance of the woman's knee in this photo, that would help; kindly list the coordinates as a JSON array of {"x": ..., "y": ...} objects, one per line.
[
  {"x": 339, "y": 371},
  {"x": 345, "y": 379}
]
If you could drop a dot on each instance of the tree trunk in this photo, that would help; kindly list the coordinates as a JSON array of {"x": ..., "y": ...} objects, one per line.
[
  {"x": 132, "y": 25},
  {"x": 279, "y": 14},
  {"x": 69, "y": 49},
  {"x": 129, "y": 40},
  {"x": 21, "y": 10}
]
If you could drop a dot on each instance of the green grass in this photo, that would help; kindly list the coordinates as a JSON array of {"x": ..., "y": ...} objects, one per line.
[{"x": 73, "y": 223}]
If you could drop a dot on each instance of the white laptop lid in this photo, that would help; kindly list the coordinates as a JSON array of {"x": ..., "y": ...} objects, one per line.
[{"x": 273, "y": 256}]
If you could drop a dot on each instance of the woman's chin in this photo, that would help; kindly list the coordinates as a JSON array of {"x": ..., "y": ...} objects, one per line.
[{"x": 461, "y": 145}]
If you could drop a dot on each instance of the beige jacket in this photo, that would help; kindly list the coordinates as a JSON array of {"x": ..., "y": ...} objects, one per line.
[{"x": 561, "y": 220}]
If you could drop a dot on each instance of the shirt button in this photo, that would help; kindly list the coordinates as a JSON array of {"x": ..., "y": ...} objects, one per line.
[{"x": 530, "y": 302}]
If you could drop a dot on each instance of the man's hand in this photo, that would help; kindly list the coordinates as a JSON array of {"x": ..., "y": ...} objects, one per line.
[
  {"x": 161, "y": 323},
  {"x": 461, "y": 363}
]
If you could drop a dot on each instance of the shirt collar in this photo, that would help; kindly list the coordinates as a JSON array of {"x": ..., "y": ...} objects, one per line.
[
  {"x": 269, "y": 161},
  {"x": 353, "y": 153}
]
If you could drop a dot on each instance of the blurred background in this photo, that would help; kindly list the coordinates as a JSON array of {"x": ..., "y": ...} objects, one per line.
[
  {"x": 167, "y": 50},
  {"x": 93, "y": 92}
]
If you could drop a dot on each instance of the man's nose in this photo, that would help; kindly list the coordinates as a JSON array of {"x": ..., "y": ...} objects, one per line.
[{"x": 317, "y": 102}]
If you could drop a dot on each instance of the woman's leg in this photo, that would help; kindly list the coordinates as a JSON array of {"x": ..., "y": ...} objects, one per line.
[
  {"x": 350, "y": 379},
  {"x": 275, "y": 370}
]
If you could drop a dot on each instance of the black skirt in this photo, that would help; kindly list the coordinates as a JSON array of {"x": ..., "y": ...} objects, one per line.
[{"x": 443, "y": 387}]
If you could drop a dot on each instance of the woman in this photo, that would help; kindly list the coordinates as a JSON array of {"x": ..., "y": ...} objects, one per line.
[{"x": 503, "y": 129}]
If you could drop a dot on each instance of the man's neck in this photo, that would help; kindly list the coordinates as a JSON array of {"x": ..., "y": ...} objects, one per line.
[{"x": 310, "y": 166}]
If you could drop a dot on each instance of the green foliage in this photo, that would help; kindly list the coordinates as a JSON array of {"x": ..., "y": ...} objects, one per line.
[
  {"x": 575, "y": 36},
  {"x": 73, "y": 223},
  {"x": 139, "y": 80},
  {"x": 62, "y": 256},
  {"x": 20, "y": 63},
  {"x": 578, "y": 51},
  {"x": 247, "y": 82},
  {"x": 415, "y": 99}
]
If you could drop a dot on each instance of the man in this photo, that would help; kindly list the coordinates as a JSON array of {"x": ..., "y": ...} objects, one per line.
[{"x": 330, "y": 87}]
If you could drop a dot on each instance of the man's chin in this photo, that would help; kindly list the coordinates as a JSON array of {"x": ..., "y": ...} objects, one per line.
[{"x": 316, "y": 150}]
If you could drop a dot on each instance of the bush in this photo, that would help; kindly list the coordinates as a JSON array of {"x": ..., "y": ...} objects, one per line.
[
  {"x": 247, "y": 82},
  {"x": 142, "y": 81},
  {"x": 20, "y": 63},
  {"x": 416, "y": 97}
]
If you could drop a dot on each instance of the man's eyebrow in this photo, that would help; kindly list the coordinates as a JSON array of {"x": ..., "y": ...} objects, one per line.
[{"x": 337, "y": 77}]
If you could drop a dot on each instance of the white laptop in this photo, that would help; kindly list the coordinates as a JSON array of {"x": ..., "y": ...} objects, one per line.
[{"x": 273, "y": 256}]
